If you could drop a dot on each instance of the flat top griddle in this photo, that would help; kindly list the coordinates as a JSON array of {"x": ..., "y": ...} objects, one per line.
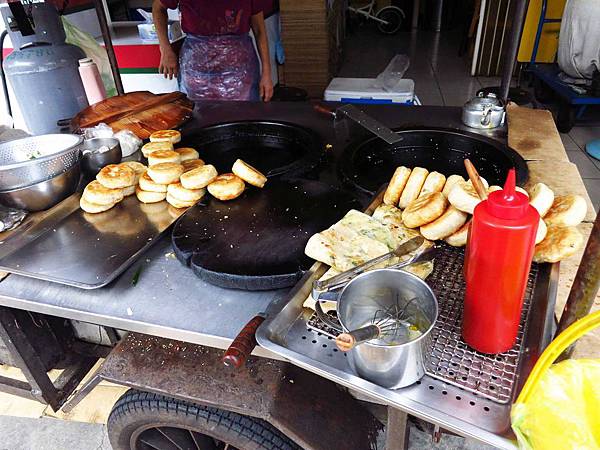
[{"x": 256, "y": 242}]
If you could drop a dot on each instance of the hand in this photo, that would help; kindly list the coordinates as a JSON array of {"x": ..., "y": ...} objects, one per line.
[
  {"x": 265, "y": 87},
  {"x": 169, "y": 64}
]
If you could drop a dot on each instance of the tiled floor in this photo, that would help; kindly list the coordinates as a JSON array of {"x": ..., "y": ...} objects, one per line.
[{"x": 442, "y": 78}]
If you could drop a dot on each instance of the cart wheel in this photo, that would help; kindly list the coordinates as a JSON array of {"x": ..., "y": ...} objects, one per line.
[
  {"x": 394, "y": 17},
  {"x": 146, "y": 421},
  {"x": 565, "y": 118},
  {"x": 541, "y": 91}
]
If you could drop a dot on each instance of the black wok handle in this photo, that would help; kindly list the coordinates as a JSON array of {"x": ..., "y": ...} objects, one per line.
[{"x": 242, "y": 345}]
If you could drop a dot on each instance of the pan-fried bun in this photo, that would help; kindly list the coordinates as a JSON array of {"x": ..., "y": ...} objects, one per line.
[
  {"x": 424, "y": 209},
  {"x": 147, "y": 184},
  {"x": 226, "y": 187},
  {"x": 191, "y": 164},
  {"x": 137, "y": 167},
  {"x": 413, "y": 186},
  {"x": 93, "y": 208},
  {"x": 177, "y": 203},
  {"x": 165, "y": 173},
  {"x": 116, "y": 176},
  {"x": 559, "y": 243},
  {"x": 99, "y": 194},
  {"x": 248, "y": 173},
  {"x": 187, "y": 153},
  {"x": 396, "y": 186},
  {"x": 172, "y": 136},
  {"x": 163, "y": 156},
  {"x": 434, "y": 182},
  {"x": 148, "y": 196},
  {"x": 445, "y": 225},
  {"x": 185, "y": 195},
  {"x": 200, "y": 177}
]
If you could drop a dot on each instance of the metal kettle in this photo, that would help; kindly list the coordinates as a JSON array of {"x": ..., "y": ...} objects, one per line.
[{"x": 483, "y": 111}]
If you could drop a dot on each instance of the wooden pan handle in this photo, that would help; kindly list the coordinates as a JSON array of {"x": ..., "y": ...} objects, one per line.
[
  {"x": 324, "y": 109},
  {"x": 242, "y": 345},
  {"x": 347, "y": 341},
  {"x": 476, "y": 179}
]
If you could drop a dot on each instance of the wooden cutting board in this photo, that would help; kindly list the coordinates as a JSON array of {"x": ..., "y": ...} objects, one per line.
[{"x": 143, "y": 113}]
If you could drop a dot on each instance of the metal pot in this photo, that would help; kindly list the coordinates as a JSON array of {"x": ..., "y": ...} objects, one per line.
[
  {"x": 92, "y": 160},
  {"x": 396, "y": 365},
  {"x": 483, "y": 111}
]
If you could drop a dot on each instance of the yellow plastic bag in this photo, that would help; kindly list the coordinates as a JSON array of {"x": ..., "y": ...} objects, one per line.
[{"x": 559, "y": 406}]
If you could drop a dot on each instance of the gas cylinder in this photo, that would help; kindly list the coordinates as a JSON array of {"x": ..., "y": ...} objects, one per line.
[{"x": 42, "y": 69}]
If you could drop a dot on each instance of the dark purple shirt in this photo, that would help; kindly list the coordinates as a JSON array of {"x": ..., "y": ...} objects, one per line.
[{"x": 215, "y": 17}]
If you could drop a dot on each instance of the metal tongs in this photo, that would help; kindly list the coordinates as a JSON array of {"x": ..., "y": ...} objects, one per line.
[{"x": 323, "y": 289}]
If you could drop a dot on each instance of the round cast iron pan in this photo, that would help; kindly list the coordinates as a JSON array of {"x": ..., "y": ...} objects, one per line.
[
  {"x": 256, "y": 242},
  {"x": 368, "y": 164},
  {"x": 275, "y": 148}
]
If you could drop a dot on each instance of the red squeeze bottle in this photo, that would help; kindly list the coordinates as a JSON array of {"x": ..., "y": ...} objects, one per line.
[{"x": 497, "y": 262}]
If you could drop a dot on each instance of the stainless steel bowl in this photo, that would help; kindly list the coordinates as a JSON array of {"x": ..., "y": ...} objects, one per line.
[
  {"x": 389, "y": 365},
  {"x": 45, "y": 194},
  {"x": 92, "y": 160}
]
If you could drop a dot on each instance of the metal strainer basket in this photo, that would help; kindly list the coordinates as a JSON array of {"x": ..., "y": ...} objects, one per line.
[{"x": 30, "y": 160}]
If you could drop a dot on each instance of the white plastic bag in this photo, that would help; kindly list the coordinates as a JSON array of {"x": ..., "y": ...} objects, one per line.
[
  {"x": 393, "y": 73},
  {"x": 93, "y": 50}
]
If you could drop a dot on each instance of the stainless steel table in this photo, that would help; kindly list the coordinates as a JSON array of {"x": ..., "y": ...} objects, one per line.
[{"x": 168, "y": 300}]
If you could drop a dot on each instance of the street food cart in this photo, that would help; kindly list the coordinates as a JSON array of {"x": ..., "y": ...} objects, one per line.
[{"x": 288, "y": 392}]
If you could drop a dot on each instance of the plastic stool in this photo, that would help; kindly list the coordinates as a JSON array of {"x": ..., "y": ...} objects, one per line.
[{"x": 593, "y": 148}]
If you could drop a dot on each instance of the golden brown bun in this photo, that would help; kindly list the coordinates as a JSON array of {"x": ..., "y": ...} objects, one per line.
[
  {"x": 567, "y": 210},
  {"x": 226, "y": 187},
  {"x": 541, "y": 233},
  {"x": 185, "y": 195},
  {"x": 396, "y": 186},
  {"x": 413, "y": 186},
  {"x": 93, "y": 208},
  {"x": 96, "y": 193},
  {"x": 200, "y": 177},
  {"x": 163, "y": 156},
  {"x": 116, "y": 176},
  {"x": 147, "y": 184},
  {"x": 129, "y": 190},
  {"x": 424, "y": 209},
  {"x": 559, "y": 244},
  {"x": 463, "y": 196},
  {"x": 445, "y": 225},
  {"x": 450, "y": 182},
  {"x": 155, "y": 146},
  {"x": 459, "y": 237},
  {"x": 172, "y": 136},
  {"x": 174, "y": 201},
  {"x": 191, "y": 164},
  {"x": 541, "y": 198},
  {"x": 165, "y": 173},
  {"x": 248, "y": 173},
  {"x": 434, "y": 182},
  {"x": 187, "y": 153},
  {"x": 148, "y": 196},
  {"x": 137, "y": 167}
]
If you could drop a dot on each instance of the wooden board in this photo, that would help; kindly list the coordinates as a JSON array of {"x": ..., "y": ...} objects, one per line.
[
  {"x": 140, "y": 112},
  {"x": 532, "y": 133},
  {"x": 256, "y": 242},
  {"x": 563, "y": 178}
]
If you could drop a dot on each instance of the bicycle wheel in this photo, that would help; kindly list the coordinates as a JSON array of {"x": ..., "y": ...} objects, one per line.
[{"x": 393, "y": 17}]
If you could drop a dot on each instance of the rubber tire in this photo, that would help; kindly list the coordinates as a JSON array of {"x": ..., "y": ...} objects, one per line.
[
  {"x": 392, "y": 14},
  {"x": 565, "y": 118},
  {"x": 136, "y": 410}
]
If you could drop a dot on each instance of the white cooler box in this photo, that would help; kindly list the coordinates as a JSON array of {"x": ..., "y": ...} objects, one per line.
[{"x": 361, "y": 90}]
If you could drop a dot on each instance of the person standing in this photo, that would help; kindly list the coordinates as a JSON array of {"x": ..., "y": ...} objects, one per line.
[{"x": 217, "y": 60}]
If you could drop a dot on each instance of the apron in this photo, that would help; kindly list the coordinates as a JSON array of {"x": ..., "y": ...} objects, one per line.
[{"x": 219, "y": 68}]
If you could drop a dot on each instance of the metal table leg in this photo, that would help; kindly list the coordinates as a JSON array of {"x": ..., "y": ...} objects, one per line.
[{"x": 396, "y": 430}]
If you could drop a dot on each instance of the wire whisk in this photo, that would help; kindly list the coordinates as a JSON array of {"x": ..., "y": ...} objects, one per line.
[{"x": 393, "y": 325}]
